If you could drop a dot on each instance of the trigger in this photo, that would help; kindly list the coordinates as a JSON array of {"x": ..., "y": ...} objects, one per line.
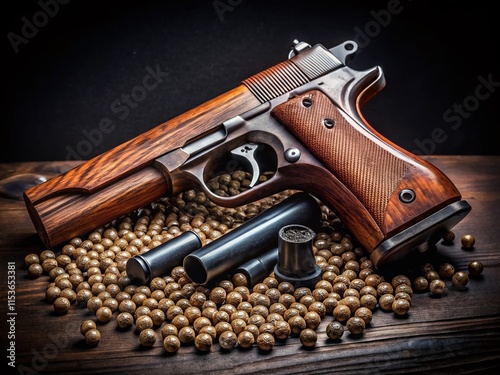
[{"x": 245, "y": 155}]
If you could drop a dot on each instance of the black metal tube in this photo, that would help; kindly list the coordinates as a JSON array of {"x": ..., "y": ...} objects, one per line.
[
  {"x": 258, "y": 268},
  {"x": 250, "y": 239},
  {"x": 159, "y": 261}
]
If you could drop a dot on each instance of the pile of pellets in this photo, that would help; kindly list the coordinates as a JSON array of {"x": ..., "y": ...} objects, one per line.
[{"x": 90, "y": 273}]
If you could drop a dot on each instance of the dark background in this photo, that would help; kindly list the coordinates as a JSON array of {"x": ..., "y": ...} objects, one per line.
[{"x": 67, "y": 75}]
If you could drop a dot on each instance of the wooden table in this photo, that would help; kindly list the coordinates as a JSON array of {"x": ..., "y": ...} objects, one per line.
[{"x": 457, "y": 333}]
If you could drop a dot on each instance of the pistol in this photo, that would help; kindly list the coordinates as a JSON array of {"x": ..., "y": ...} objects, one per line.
[{"x": 300, "y": 122}]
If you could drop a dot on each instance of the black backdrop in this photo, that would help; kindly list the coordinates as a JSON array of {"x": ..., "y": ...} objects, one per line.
[{"x": 74, "y": 71}]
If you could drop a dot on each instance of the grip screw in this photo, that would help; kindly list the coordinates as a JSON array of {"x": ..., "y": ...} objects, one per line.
[
  {"x": 307, "y": 102},
  {"x": 407, "y": 196},
  {"x": 292, "y": 155},
  {"x": 329, "y": 123}
]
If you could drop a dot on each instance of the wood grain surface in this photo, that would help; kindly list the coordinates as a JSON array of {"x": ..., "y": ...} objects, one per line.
[{"x": 456, "y": 333}]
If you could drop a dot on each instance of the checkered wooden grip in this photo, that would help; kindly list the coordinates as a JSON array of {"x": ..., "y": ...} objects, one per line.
[{"x": 355, "y": 156}]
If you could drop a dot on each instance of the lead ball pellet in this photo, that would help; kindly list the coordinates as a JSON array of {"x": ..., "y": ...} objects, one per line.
[
  {"x": 468, "y": 241},
  {"x": 401, "y": 306},
  {"x": 171, "y": 343},
  {"x": 210, "y": 330},
  {"x": 238, "y": 325},
  {"x": 297, "y": 324},
  {"x": 446, "y": 270},
  {"x": 282, "y": 330},
  {"x": 147, "y": 337},
  {"x": 143, "y": 322},
  {"x": 218, "y": 295},
  {"x": 334, "y": 330},
  {"x": 69, "y": 294},
  {"x": 124, "y": 320},
  {"x": 201, "y": 322},
  {"x": 228, "y": 340},
  {"x": 460, "y": 279},
  {"x": 92, "y": 337},
  {"x": 432, "y": 275},
  {"x": 437, "y": 287},
  {"x": 308, "y": 337},
  {"x": 369, "y": 301},
  {"x": 180, "y": 321},
  {"x": 385, "y": 302},
  {"x": 169, "y": 329},
  {"x": 313, "y": 319},
  {"x": 127, "y": 305},
  {"x": 203, "y": 342},
  {"x": 475, "y": 268},
  {"x": 330, "y": 304},
  {"x": 86, "y": 326},
  {"x": 52, "y": 293},
  {"x": 94, "y": 303},
  {"x": 222, "y": 327},
  {"x": 35, "y": 270},
  {"x": 400, "y": 279},
  {"x": 365, "y": 314},
  {"x": 157, "y": 315},
  {"x": 187, "y": 335},
  {"x": 404, "y": 288},
  {"x": 355, "y": 325},
  {"x": 246, "y": 339},
  {"x": 342, "y": 312},
  {"x": 384, "y": 288},
  {"x": 420, "y": 284},
  {"x": 31, "y": 259},
  {"x": 47, "y": 254},
  {"x": 449, "y": 237},
  {"x": 265, "y": 341},
  {"x": 352, "y": 302},
  {"x": 104, "y": 314},
  {"x": 62, "y": 305}
]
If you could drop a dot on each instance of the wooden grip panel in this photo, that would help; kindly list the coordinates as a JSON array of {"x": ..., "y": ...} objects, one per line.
[
  {"x": 369, "y": 171},
  {"x": 372, "y": 168}
]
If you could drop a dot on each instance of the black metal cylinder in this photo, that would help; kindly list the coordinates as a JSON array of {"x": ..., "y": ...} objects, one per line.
[
  {"x": 296, "y": 262},
  {"x": 250, "y": 239},
  {"x": 258, "y": 268},
  {"x": 160, "y": 260}
]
